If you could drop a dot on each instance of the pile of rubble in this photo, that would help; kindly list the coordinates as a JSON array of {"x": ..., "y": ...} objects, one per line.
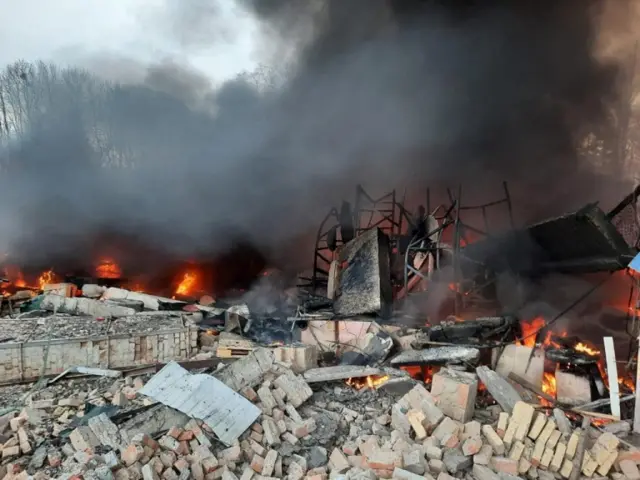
[{"x": 255, "y": 418}]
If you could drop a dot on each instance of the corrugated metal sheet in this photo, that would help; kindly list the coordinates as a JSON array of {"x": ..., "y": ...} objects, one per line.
[{"x": 203, "y": 397}]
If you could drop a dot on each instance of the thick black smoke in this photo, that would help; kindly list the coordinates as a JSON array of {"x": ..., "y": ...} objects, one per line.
[{"x": 402, "y": 94}]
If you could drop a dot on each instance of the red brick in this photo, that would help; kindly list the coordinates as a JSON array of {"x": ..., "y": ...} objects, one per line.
[
  {"x": 505, "y": 465},
  {"x": 633, "y": 455},
  {"x": 257, "y": 463},
  {"x": 256, "y": 427},
  {"x": 209, "y": 464},
  {"x": 187, "y": 435},
  {"x": 175, "y": 432},
  {"x": 132, "y": 454},
  {"x": 249, "y": 393},
  {"x": 450, "y": 440},
  {"x": 384, "y": 460}
]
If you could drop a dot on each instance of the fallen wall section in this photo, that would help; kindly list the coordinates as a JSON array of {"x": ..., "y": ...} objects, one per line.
[{"x": 25, "y": 360}]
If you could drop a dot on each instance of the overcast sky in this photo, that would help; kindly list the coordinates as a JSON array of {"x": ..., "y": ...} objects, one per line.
[{"x": 147, "y": 31}]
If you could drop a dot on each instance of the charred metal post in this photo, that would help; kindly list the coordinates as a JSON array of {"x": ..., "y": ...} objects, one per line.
[{"x": 324, "y": 244}]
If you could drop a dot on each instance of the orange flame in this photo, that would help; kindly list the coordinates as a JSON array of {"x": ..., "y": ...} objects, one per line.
[
  {"x": 46, "y": 278},
  {"x": 549, "y": 384},
  {"x": 108, "y": 268},
  {"x": 188, "y": 283},
  {"x": 627, "y": 382},
  {"x": 19, "y": 281},
  {"x": 371, "y": 381},
  {"x": 15, "y": 276},
  {"x": 529, "y": 330},
  {"x": 584, "y": 348}
]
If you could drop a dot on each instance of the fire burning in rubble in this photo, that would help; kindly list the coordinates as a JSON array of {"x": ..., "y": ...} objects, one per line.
[
  {"x": 108, "y": 268},
  {"x": 549, "y": 387},
  {"x": 188, "y": 284},
  {"x": 46, "y": 278},
  {"x": 549, "y": 384},
  {"x": 584, "y": 348},
  {"x": 372, "y": 381}
]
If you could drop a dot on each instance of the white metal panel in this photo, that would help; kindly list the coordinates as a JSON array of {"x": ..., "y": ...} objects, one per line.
[{"x": 203, "y": 397}]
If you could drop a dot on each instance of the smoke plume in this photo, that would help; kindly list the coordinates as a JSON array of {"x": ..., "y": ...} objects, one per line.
[{"x": 398, "y": 93}]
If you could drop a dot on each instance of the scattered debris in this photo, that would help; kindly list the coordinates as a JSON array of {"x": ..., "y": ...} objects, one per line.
[{"x": 337, "y": 381}]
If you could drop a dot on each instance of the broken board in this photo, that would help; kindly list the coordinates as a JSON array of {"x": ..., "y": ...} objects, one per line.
[{"x": 231, "y": 345}]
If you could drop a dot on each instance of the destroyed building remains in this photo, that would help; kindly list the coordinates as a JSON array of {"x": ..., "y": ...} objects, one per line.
[{"x": 352, "y": 374}]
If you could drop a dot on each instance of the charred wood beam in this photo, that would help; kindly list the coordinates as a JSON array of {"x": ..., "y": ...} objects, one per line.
[
  {"x": 480, "y": 328},
  {"x": 567, "y": 356}
]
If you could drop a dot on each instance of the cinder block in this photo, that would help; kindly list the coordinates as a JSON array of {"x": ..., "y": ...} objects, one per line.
[
  {"x": 572, "y": 389},
  {"x": 455, "y": 393}
]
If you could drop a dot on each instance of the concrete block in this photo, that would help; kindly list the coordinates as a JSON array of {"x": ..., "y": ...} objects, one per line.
[
  {"x": 472, "y": 445},
  {"x": 538, "y": 425},
  {"x": 503, "y": 422},
  {"x": 547, "y": 456},
  {"x": 518, "y": 359},
  {"x": 402, "y": 474},
  {"x": 338, "y": 462},
  {"x": 558, "y": 458},
  {"x": 516, "y": 451},
  {"x": 269, "y": 463},
  {"x": 447, "y": 427},
  {"x": 82, "y": 439},
  {"x": 523, "y": 465},
  {"x": 572, "y": 389},
  {"x": 471, "y": 429},
  {"x": 413, "y": 461},
  {"x": 493, "y": 439},
  {"x": 456, "y": 462},
  {"x": 268, "y": 402},
  {"x": 589, "y": 465},
  {"x": 294, "y": 386},
  {"x": 480, "y": 472},
  {"x": 365, "y": 281},
  {"x": 605, "y": 444},
  {"x": 416, "y": 417},
  {"x": 483, "y": 457},
  {"x": 604, "y": 468},
  {"x": 455, "y": 393},
  {"x": 505, "y": 465},
  {"x": 419, "y": 398},
  {"x": 384, "y": 460},
  {"x": 629, "y": 470},
  {"x": 567, "y": 468},
  {"x": 301, "y": 357}
]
